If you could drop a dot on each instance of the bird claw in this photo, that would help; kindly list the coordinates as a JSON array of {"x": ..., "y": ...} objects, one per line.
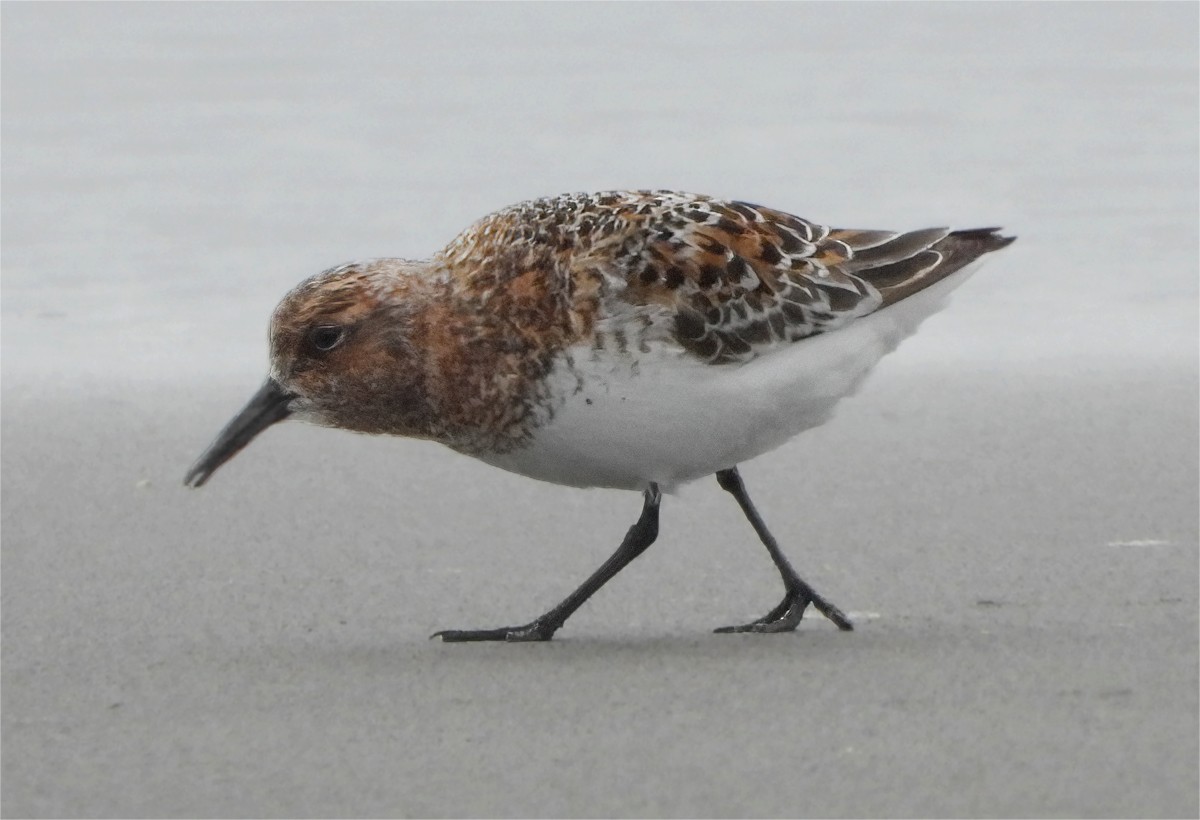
[
  {"x": 535, "y": 631},
  {"x": 787, "y": 615}
]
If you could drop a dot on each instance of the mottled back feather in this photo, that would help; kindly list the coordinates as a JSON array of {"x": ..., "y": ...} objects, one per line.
[{"x": 727, "y": 280}]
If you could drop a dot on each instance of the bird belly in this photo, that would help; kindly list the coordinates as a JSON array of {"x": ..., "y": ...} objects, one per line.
[{"x": 623, "y": 420}]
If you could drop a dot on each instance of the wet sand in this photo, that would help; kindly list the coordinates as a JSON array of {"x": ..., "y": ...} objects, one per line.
[{"x": 1021, "y": 567}]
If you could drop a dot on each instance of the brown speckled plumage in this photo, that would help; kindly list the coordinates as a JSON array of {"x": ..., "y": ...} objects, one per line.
[
  {"x": 633, "y": 340},
  {"x": 732, "y": 278},
  {"x": 460, "y": 346}
]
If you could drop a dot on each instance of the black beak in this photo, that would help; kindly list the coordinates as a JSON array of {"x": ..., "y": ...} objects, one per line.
[{"x": 269, "y": 405}]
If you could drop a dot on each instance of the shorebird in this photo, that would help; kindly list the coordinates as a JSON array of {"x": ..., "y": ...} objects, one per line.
[{"x": 627, "y": 339}]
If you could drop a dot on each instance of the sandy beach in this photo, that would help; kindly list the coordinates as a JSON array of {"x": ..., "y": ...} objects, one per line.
[{"x": 1008, "y": 510}]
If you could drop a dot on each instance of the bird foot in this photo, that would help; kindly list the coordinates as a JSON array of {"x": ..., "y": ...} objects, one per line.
[
  {"x": 534, "y": 631},
  {"x": 786, "y": 616}
]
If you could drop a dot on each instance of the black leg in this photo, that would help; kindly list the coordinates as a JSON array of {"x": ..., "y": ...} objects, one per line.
[
  {"x": 798, "y": 594},
  {"x": 640, "y": 536}
]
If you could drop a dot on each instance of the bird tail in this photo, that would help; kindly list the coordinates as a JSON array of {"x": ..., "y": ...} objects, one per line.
[{"x": 910, "y": 262}]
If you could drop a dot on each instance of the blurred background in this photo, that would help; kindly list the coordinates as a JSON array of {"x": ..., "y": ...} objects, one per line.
[{"x": 1010, "y": 506}]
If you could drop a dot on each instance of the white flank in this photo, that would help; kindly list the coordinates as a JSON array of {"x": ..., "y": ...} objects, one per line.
[{"x": 624, "y": 420}]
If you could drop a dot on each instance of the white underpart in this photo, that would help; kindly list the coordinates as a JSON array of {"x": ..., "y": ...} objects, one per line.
[{"x": 623, "y": 421}]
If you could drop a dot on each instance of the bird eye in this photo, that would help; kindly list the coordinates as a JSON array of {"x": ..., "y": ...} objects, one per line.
[{"x": 326, "y": 337}]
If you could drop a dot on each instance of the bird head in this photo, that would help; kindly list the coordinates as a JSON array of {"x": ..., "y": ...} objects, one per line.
[{"x": 342, "y": 355}]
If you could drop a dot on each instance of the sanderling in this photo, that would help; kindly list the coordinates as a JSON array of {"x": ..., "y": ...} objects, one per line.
[{"x": 634, "y": 340}]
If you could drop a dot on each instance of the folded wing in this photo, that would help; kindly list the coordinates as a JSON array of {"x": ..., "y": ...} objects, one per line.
[{"x": 741, "y": 278}]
